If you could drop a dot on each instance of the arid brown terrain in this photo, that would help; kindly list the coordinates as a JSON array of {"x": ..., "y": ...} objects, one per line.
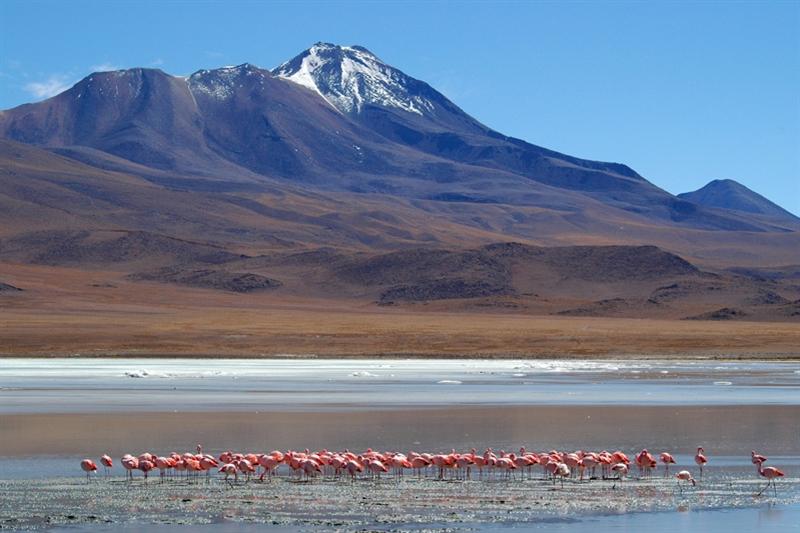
[{"x": 66, "y": 311}]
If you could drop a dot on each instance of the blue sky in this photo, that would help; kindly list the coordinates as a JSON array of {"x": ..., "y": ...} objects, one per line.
[{"x": 683, "y": 92}]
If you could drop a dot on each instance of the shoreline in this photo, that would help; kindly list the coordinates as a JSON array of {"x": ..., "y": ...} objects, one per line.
[
  {"x": 765, "y": 357},
  {"x": 381, "y": 505},
  {"x": 247, "y": 328}
]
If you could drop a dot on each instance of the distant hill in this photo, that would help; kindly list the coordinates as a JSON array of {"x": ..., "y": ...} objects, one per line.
[{"x": 730, "y": 194}]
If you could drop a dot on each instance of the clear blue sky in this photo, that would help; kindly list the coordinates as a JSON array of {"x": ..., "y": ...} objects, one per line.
[{"x": 683, "y": 92}]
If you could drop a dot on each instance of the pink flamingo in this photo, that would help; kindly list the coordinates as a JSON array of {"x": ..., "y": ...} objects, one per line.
[
  {"x": 562, "y": 471},
  {"x": 375, "y": 467},
  {"x": 353, "y": 468},
  {"x": 129, "y": 463},
  {"x": 88, "y": 466},
  {"x": 506, "y": 465},
  {"x": 441, "y": 461},
  {"x": 667, "y": 460},
  {"x": 770, "y": 473},
  {"x": 107, "y": 463},
  {"x": 622, "y": 470},
  {"x": 590, "y": 461},
  {"x": 163, "y": 464},
  {"x": 311, "y": 468},
  {"x": 146, "y": 466},
  {"x": 269, "y": 463},
  {"x": 245, "y": 467},
  {"x": 418, "y": 463},
  {"x": 207, "y": 462},
  {"x": 228, "y": 469},
  {"x": 701, "y": 459},
  {"x": 685, "y": 475}
]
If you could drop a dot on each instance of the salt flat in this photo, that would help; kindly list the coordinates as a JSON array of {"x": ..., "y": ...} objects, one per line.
[{"x": 102, "y": 385}]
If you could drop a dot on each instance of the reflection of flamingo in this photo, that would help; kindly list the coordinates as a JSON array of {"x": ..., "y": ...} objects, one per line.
[
  {"x": 700, "y": 459},
  {"x": 667, "y": 459},
  {"x": 770, "y": 473},
  {"x": 685, "y": 475},
  {"x": 107, "y": 462},
  {"x": 88, "y": 466}
]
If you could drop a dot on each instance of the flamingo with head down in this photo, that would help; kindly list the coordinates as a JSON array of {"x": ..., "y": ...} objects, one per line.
[
  {"x": 88, "y": 466},
  {"x": 107, "y": 462},
  {"x": 685, "y": 475}
]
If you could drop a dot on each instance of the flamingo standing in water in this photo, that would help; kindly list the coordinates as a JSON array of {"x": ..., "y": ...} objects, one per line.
[
  {"x": 228, "y": 469},
  {"x": 107, "y": 462},
  {"x": 562, "y": 471},
  {"x": 685, "y": 475},
  {"x": 701, "y": 459},
  {"x": 770, "y": 473},
  {"x": 667, "y": 459},
  {"x": 622, "y": 470},
  {"x": 88, "y": 466},
  {"x": 146, "y": 466},
  {"x": 129, "y": 463}
]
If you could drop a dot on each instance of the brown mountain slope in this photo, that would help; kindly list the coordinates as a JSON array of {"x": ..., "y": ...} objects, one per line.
[
  {"x": 41, "y": 191},
  {"x": 290, "y": 242}
]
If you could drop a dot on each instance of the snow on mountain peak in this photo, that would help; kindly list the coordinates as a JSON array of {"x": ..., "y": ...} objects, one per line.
[
  {"x": 350, "y": 77},
  {"x": 221, "y": 83}
]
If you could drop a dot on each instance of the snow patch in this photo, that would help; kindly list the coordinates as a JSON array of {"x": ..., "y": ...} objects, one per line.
[{"x": 349, "y": 78}]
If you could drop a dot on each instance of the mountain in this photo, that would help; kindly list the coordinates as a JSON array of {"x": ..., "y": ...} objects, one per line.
[
  {"x": 335, "y": 119},
  {"x": 412, "y": 113},
  {"x": 730, "y": 194},
  {"x": 174, "y": 178}
]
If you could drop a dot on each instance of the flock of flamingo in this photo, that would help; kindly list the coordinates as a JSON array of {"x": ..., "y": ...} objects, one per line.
[{"x": 555, "y": 465}]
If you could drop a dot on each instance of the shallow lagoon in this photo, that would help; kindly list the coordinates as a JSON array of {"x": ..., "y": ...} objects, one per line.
[{"x": 53, "y": 412}]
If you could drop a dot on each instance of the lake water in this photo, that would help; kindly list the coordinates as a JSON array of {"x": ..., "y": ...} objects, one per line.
[{"x": 53, "y": 412}]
